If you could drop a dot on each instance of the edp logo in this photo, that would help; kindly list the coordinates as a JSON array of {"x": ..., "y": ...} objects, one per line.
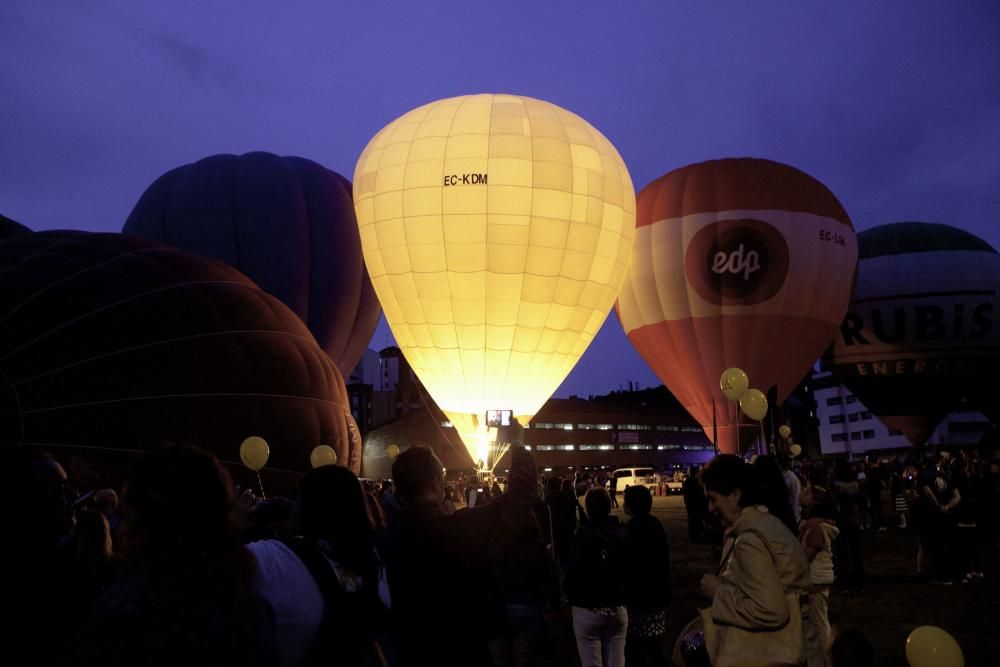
[{"x": 737, "y": 262}]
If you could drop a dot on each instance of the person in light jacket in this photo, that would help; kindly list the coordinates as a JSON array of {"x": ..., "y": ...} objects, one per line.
[{"x": 761, "y": 582}]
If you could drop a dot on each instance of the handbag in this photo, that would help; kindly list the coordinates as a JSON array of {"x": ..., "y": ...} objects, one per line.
[{"x": 731, "y": 646}]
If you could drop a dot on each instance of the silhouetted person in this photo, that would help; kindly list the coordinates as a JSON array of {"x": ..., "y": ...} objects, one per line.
[
  {"x": 186, "y": 598},
  {"x": 435, "y": 560},
  {"x": 325, "y": 585},
  {"x": 772, "y": 492},
  {"x": 696, "y": 505},
  {"x": 648, "y": 580},
  {"x": 39, "y": 573},
  {"x": 595, "y": 585},
  {"x": 562, "y": 507}
]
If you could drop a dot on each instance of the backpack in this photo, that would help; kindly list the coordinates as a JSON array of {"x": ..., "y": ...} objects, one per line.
[{"x": 346, "y": 635}]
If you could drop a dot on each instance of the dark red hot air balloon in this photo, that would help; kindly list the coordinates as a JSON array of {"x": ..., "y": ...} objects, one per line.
[
  {"x": 287, "y": 223},
  {"x": 742, "y": 263},
  {"x": 113, "y": 343}
]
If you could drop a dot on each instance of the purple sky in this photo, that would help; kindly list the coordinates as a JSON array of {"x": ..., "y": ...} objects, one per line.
[{"x": 894, "y": 106}]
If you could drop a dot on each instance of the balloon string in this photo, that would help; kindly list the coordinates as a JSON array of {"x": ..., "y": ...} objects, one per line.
[
  {"x": 260, "y": 483},
  {"x": 739, "y": 451}
]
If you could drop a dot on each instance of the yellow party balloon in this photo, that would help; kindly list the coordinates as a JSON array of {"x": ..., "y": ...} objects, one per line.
[
  {"x": 784, "y": 430},
  {"x": 254, "y": 452},
  {"x": 930, "y": 646},
  {"x": 392, "y": 451},
  {"x": 323, "y": 455},
  {"x": 496, "y": 230},
  {"x": 795, "y": 449},
  {"x": 753, "y": 403},
  {"x": 734, "y": 382}
]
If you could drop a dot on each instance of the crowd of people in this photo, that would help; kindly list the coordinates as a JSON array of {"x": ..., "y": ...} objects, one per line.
[{"x": 186, "y": 569}]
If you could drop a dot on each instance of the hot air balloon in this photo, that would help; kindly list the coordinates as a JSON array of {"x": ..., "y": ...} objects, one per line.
[
  {"x": 287, "y": 223},
  {"x": 742, "y": 263},
  {"x": 496, "y": 229},
  {"x": 9, "y": 228},
  {"x": 921, "y": 332},
  {"x": 110, "y": 344}
]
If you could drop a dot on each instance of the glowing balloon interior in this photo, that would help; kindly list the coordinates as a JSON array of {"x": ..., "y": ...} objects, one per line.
[{"x": 496, "y": 230}]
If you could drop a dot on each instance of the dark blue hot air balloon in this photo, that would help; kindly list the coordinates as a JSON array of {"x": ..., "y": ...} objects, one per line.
[{"x": 287, "y": 223}]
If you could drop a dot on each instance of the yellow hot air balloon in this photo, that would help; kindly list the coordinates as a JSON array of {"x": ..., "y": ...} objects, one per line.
[{"x": 496, "y": 230}]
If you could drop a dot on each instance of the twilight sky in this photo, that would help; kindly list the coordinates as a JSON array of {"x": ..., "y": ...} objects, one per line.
[{"x": 894, "y": 106}]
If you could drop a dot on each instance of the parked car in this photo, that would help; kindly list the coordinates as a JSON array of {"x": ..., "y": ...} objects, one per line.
[{"x": 626, "y": 477}]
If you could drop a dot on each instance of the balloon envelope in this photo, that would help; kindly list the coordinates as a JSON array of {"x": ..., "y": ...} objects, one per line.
[
  {"x": 254, "y": 452},
  {"x": 9, "y": 228},
  {"x": 287, "y": 223},
  {"x": 324, "y": 455},
  {"x": 921, "y": 332},
  {"x": 930, "y": 646},
  {"x": 753, "y": 403},
  {"x": 734, "y": 382},
  {"x": 496, "y": 229},
  {"x": 741, "y": 263},
  {"x": 115, "y": 344}
]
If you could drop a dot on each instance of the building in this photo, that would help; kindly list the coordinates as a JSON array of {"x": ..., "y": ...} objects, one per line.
[
  {"x": 846, "y": 426},
  {"x": 629, "y": 428},
  {"x": 382, "y": 388},
  {"x": 645, "y": 427}
]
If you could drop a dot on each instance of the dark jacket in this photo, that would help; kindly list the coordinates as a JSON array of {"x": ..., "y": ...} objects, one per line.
[
  {"x": 164, "y": 621},
  {"x": 648, "y": 565},
  {"x": 595, "y": 574},
  {"x": 562, "y": 507},
  {"x": 446, "y": 602}
]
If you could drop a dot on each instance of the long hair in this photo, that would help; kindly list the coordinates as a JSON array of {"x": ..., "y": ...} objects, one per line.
[
  {"x": 727, "y": 472},
  {"x": 177, "y": 505},
  {"x": 332, "y": 508}
]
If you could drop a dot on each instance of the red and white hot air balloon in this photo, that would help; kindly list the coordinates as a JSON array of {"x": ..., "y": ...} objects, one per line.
[{"x": 742, "y": 263}]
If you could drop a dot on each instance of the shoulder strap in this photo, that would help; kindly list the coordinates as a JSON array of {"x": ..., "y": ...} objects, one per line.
[
  {"x": 729, "y": 553},
  {"x": 319, "y": 567}
]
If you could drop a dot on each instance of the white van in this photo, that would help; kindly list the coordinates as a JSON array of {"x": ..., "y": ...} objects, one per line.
[{"x": 626, "y": 477}]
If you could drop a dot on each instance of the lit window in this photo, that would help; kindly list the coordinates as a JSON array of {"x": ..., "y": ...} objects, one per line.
[
  {"x": 604, "y": 427},
  {"x": 586, "y": 427},
  {"x": 662, "y": 447},
  {"x": 565, "y": 448},
  {"x": 544, "y": 448}
]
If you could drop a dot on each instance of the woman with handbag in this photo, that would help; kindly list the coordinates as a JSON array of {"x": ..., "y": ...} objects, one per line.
[{"x": 758, "y": 616}]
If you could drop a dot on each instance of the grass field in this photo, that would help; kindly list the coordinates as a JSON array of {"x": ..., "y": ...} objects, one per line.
[{"x": 895, "y": 603}]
